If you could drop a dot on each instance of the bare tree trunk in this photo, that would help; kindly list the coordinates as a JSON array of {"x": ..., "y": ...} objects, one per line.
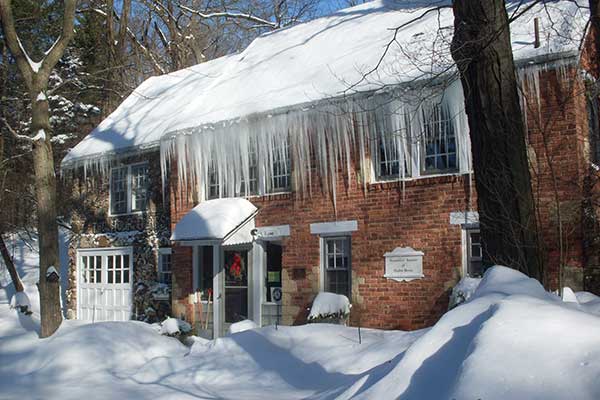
[
  {"x": 36, "y": 77},
  {"x": 482, "y": 51},
  {"x": 10, "y": 265}
]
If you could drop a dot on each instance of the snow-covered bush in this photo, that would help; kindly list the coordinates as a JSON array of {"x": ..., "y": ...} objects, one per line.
[
  {"x": 330, "y": 308},
  {"x": 174, "y": 327},
  {"x": 242, "y": 326},
  {"x": 463, "y": 291},
  {"x": 20, "y": 302}
]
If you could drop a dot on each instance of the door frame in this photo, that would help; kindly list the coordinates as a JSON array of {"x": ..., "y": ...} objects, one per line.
[
  {"x": 103, "y": 252},
  {"x": 237, "y": 247}
]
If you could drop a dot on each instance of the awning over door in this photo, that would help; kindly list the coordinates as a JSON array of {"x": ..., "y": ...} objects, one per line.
[{"x": 229, "y": 220}]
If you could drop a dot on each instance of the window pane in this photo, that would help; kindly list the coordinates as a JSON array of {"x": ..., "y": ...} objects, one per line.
[
  {"x": 139, "y": 187},
  {"x": 118, "y": 190},
  {"x": 439, "y": 141},
  {"x": 213, "y": 182},
  {"x": 281, "y": 168}
]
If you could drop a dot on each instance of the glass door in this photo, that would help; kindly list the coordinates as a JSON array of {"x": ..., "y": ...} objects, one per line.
[{"x": 236, "y": 285}]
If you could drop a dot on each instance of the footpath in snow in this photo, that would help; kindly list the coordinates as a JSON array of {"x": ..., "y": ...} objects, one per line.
[{"x": 509, "y": 340}]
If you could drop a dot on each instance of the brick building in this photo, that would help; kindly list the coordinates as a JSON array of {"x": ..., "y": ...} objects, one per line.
[{"x": 293, "y": 168}]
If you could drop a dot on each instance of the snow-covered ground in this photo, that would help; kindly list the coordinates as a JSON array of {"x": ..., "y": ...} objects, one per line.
[{"x": 510, "y": 340}]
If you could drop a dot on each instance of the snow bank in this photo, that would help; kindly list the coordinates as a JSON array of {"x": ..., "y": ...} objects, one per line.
[
  {"x": 463, "y": 290},
  {"x": 328, "y": 305},
  {"x": 19, "y": 300},
  {"x": 174, "y": 326},
  {"x": 512, "y": 340},
  {"x": 588, "y": 302},
  {"x": 242, "y": 326}
]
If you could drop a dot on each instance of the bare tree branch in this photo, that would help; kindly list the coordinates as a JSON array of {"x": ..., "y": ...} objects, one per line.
[
  {"x": 15, "y": 134},
  {"x": 233, "y": 15}
]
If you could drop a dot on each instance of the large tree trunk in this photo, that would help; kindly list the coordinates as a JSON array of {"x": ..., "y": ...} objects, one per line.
[
  {"x": 10, "y": 265},
  {"x": 45, "y": 191},
  {"x": 36, "y": 79},
  {"x": 482, "y": 51}
]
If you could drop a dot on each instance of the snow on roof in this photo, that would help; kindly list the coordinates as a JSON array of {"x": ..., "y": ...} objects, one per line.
[
  {"x": 313, "y": 61},
  {"x": 213, "y": 219}
]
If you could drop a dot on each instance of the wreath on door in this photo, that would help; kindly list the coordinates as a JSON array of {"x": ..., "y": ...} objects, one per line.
[{"x": 237, "y": 266}]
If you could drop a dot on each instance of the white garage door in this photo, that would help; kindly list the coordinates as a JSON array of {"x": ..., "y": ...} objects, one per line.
[{"x": 104, "y": 284}]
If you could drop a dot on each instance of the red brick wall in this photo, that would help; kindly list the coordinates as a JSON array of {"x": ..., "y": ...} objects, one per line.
[{"x": 418, "y": 216}]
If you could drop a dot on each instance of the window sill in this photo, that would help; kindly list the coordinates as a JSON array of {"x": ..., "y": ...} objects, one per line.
[
  {"x": 128, "y": 213},
  {"x": 414, "y": 181}
]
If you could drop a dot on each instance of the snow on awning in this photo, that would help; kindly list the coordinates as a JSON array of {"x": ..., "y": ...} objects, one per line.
[{"x": 229, "y": 220}]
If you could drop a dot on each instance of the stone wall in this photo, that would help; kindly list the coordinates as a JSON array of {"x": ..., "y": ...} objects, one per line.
[{"x": 146, "y": 232}]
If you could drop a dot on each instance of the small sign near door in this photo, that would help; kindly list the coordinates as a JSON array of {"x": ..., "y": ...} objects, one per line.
[{"x": 276, "y": 295}]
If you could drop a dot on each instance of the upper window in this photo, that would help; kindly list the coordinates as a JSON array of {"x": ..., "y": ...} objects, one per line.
[
  {"x": 248, "y": 184},
  {"x": 129, "y": 189},
  {"x": 214, "y": 189},
  {"x": 164, "y": 266},
  {"x": 388, "y": 156},
  {"x": 439, "y": 139},
  {"x": 280, "y": 178},
  {"x": 336, "y": 262}
]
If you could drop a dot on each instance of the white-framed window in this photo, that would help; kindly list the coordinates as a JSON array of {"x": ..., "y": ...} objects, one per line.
[
  {"x": 280, "y": 178},
  {"x": 281, "y": 172},
  {"x": 105, "y": 266},
  {"x": 129, "y": 186},
  {"x": 473, "y": 253},
  {"x": 164, "y": 266},
  {"x": 439, "y": 142},
  {"x": 214, "y": 189},
  {"x": 387, "y": 158},
  {"x": 249, "y": 184},
  {"x": 336, "y": 265}
]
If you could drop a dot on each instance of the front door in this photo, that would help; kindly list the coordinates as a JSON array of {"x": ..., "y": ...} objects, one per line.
[{"x": 236, "y": 269}]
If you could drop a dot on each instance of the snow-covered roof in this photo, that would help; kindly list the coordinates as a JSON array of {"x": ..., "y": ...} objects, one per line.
[
  {"x": 214, "y": 219},
  {"x": 313, "y": 61}
]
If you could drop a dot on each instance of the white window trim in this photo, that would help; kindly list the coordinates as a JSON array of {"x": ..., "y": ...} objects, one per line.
[
  {"x": 162, "y": 251},
  {"x": 464, "y": 238},
  {"x": 129, "y": 191},
  {"x": 323, "y": 260},
  {"x": 335, "y": 228},
  {"x": 103, "y": 252}
]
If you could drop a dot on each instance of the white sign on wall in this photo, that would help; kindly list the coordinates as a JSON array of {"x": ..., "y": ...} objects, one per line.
[{"x": 404, "y": 264}]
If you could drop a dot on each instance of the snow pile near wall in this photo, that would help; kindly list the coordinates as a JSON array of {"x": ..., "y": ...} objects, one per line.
[
  {"x": 588, "y": 302},
  {"x": 328, "y": 305},
  {"x": 242, "y": 326},
  {"x": 463, "y": 291},
  {"x": 512, "y": 340},
  {"x": 174, "y": 327}
]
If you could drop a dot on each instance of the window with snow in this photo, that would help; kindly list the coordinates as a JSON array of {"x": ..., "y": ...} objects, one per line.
[
  {"x": 249, "y": 184},
  {"x": 281, "y": 169},
  {"x": 336, "y": 259},
  {"x": 129, "y": 189},
  {"x": 164, "y": 266},
  {"x": 214, "y": 190},
  {"x": 388, "y": 156},
  {"x": 439, "y": 142}
]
